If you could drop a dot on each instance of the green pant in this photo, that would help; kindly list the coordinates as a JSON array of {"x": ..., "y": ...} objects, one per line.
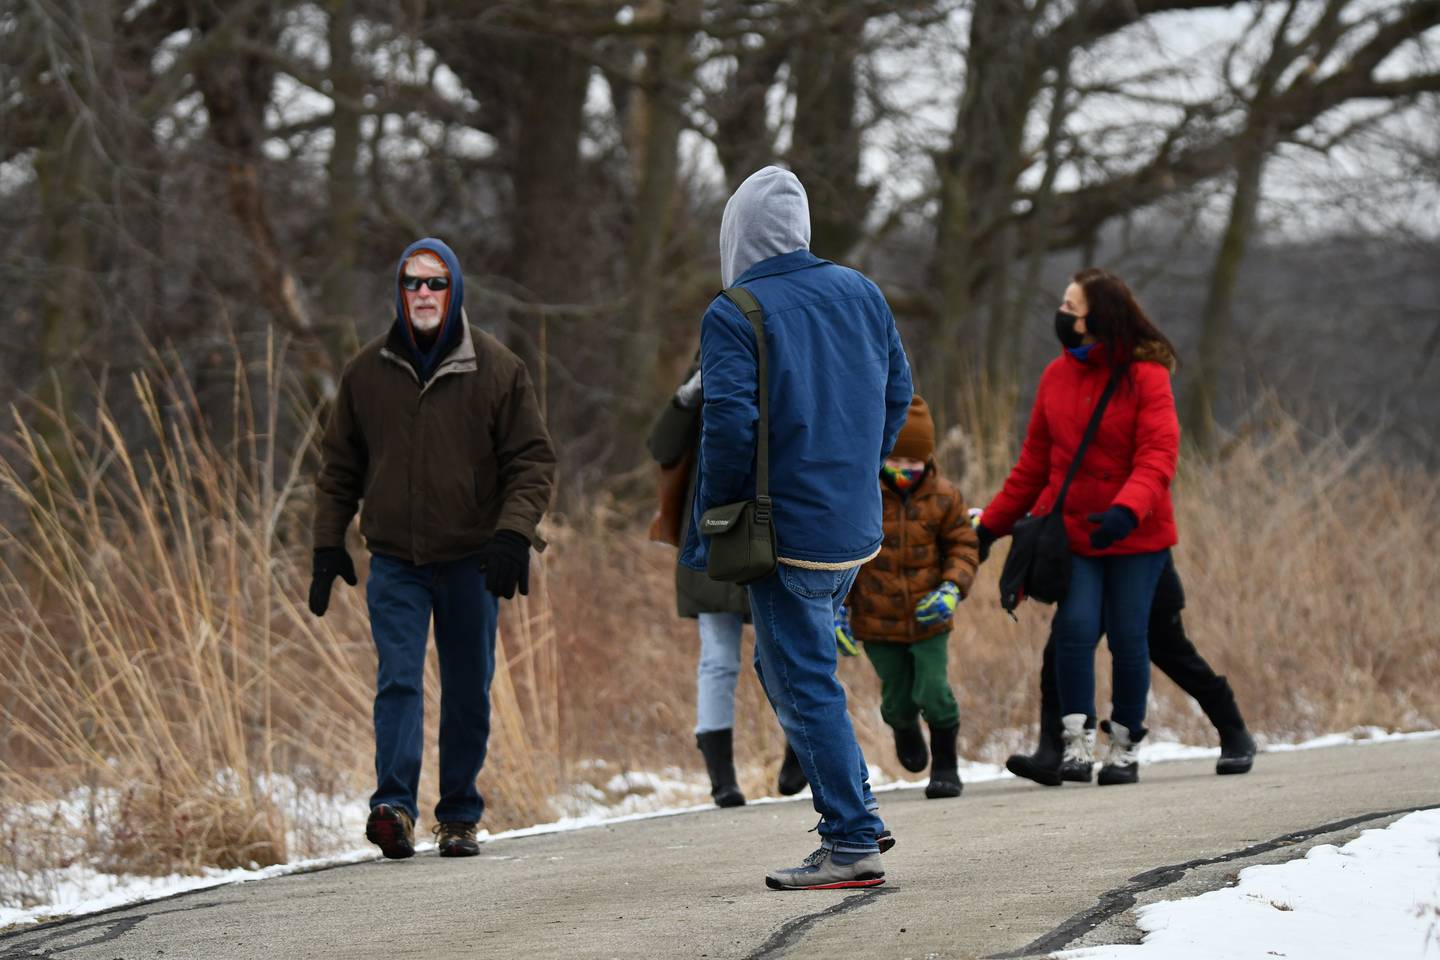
[{"x": 913, "y": 680}]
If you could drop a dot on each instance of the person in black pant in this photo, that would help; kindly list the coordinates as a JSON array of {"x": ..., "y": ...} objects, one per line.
[{"x": 1175, "y": 655}]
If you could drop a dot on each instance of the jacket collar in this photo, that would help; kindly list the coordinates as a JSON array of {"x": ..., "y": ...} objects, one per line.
[
  {"x": 461, "y": 359},
  {"x": 784, "y": 263},
  {"x": 1150, "y": 350}
]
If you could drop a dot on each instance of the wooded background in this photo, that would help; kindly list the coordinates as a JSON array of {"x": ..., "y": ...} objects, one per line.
[{"x": 192, "y": 176}]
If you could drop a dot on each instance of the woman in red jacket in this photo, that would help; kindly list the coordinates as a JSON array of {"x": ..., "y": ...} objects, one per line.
[{"x": 1117, "y": 512}]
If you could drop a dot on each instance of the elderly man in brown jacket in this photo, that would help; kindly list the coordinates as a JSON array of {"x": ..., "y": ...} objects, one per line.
[{"x": 436, "y": 428}]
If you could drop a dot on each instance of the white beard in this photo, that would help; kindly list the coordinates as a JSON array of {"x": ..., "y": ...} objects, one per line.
[{"x": 427, "y": 324}]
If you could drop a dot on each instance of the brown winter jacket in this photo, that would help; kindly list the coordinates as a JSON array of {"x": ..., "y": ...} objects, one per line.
[
  {"x": 928, "y": 540},
  {"x": 441, "y": 467}
]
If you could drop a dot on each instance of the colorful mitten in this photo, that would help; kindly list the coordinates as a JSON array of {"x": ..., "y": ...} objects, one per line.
[
  {"x": 938, "y": 604},
  {"x": 844, "y": 639}
]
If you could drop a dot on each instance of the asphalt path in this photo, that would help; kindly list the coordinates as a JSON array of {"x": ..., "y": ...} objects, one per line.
[{"x": 1008, "y": 870}]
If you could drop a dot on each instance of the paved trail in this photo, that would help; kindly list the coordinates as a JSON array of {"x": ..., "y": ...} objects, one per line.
[{"x": 1010, "y": 869}]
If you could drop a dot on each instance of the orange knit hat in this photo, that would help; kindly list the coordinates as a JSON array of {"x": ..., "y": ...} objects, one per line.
[{"x": 917, "y": 437}]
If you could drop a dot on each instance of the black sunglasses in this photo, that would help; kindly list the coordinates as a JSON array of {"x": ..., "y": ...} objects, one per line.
[{"x": 434, "y": 283}]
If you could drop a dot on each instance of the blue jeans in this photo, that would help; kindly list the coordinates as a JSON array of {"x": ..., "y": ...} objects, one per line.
[
  {"x": 718, "y": 671},
  {"x": 794, "y": 611},
  {"x": 1112, "y": 594},
  {"x": 401, "y": 597}
]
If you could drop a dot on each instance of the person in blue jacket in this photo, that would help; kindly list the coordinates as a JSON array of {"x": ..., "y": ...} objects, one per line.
[{"x": 839, "y": 388}]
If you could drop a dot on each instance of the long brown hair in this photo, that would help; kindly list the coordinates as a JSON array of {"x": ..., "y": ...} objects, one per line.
[{"x": 1116, "y": 318}]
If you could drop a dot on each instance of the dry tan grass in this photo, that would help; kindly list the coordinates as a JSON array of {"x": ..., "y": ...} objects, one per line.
[{"x": 159, "y": 652}]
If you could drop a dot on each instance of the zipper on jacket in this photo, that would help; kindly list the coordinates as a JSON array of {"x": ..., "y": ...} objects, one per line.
[{"x": 904, "y": 570}]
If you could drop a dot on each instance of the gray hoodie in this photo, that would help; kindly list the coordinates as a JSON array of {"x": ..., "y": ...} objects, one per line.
[{"x": 768, "y": 215}]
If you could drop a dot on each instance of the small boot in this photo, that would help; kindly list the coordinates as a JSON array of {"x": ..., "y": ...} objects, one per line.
[
  {"x": 1042, "y": 766},
  {"x": 1237, "y": 750},
  {"x": 944, "y": 764},
  {"x": 1079, "y": 758},
  {"x": 792, "y": 775},
  {"x": 1122, "y": 762},
  {"x": 910, "y": 748},
  {"x": 717, "y": 746}
]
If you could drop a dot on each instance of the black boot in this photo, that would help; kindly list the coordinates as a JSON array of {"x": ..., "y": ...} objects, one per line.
[
  {"x": 1042, "y": 766},
  {"x": 717, "y": 747},
  {"x": 944, "y": 765},
  {"x": 1237, "y": 750},
  {"x": 910, "y": 748},
  {"x": 792, "y": 777}
]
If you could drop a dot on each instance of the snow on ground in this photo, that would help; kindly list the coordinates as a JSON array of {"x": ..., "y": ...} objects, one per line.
[
  {"x": 1377, "y": 896},
  {"x": 80, "y": 889}
]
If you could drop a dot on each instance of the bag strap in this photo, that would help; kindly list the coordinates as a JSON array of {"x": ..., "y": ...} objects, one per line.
[
  {"x": 749, "y": 306},
  {"x": 1091, "y": 429}
]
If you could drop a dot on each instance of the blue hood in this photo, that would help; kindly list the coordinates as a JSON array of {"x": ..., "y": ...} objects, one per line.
[{"x": 450, "y": 331}]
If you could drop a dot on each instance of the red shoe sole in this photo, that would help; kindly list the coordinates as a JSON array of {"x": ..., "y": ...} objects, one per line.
[
  {"x": 384, "y": 830},
  {"x": 844, "y": 885}
]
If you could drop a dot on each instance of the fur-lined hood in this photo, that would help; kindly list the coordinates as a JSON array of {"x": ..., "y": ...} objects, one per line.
[{"x": 1155, "y": 351}]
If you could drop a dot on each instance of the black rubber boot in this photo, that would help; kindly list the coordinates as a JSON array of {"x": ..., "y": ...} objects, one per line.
[
  {"x": 1237, "y": 751},
  {"x": 792, "y": 776},
  {"x": 717, "y": 747},
  {"x": 910, "y": 748},
  {"x": 1042, "y": 766},
  {"x": 944, "y": 765}
]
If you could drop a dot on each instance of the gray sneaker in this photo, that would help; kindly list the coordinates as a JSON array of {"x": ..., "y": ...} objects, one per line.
[{"x": 821, "y": 872}]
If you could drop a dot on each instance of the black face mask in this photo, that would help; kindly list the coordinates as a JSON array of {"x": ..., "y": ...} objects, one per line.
[{"x": 1065, "y": 330}]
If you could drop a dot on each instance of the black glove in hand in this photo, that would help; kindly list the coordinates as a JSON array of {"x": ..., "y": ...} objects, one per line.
[
  {"x": 506, "y": 562},
  {"x": 986, "y": 540},
  {"x": 1116, "y": 524},
  {"x": 329, "y": 563}
]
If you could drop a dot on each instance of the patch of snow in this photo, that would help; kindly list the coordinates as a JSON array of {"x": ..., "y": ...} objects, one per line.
[{"x": 1377, "y": 896}]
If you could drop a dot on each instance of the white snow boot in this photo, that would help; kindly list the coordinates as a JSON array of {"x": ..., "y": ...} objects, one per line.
[
  {"x": 1122, "y": 762},
  {"x": 1079, "y": 759}
]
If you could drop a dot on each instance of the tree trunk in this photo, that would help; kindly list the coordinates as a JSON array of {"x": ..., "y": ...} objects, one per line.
[
  {"x": 343, "y": 195},
  {"x": 1217, "y": 321},
  {"x": 548, "y": 88},
  {"x": 236, "y": 86},
  {"x": 825, "y": 147},
  {"x": 977, "y": 187},
  {"x": 657, "y": 120}
]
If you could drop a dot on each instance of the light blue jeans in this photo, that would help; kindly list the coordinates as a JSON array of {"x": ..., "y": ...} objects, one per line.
[
  {"x": 794, "y": 613},
  {"x": 718, "y": 671}
]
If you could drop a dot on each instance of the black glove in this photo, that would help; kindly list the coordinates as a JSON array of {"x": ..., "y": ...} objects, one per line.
[
  {"x": 986, "y": 539},
  {"x": 1116, "y": 524},
  {"x": 330, "y": 562},
  {"x": 506, "y": 562}
]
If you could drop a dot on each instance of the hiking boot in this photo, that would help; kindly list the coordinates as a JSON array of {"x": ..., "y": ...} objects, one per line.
[
  {"x": 717, "y": 746},
  {"x": 1078, "y": 761},
  {"x": 392, "y": 829},
  {"x": 944, "y": 764},
  {"x": 792, "y": 776},
  {"x": 910, "y": 748},
  {"x": 1237, "y": 751},
  {"x": 1042, "y": 766},
  {"x": 1122, "y": 763},
  {"x": 456, "y": 838},
  {"x": 821, "y": 872}
]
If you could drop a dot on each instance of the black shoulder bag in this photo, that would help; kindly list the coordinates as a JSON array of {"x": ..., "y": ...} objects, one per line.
[
  {"x": 1038, "y": 565},
  {"x": 742, "y": 536}
]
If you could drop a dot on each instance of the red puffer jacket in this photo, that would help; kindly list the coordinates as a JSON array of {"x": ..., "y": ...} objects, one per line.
[{"x": 1130, "y": 463}]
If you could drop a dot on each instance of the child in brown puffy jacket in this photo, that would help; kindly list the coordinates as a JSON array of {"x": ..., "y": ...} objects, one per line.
[{"x": 903, "y": 600}]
